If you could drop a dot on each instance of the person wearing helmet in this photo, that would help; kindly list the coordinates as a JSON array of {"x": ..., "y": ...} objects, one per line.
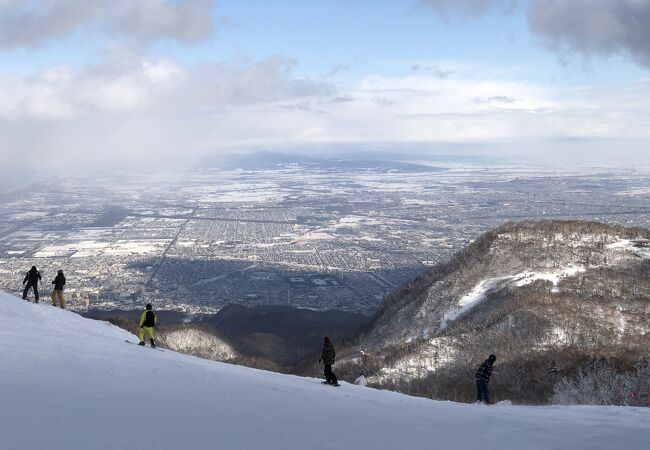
[
  {"x": 482, "y": 379},
  {"x": 57, "y": 293},
  {"x": 32, "y": 278},
  {"x": 147, "y": 324},
  {"x": 327, "y": 356}
]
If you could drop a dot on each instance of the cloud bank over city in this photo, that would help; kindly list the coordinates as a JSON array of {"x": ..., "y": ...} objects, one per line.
[{"x": 157, "y": 83}]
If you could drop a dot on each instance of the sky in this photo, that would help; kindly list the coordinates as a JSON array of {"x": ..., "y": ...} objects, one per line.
[{"x": 106, "y": 84}]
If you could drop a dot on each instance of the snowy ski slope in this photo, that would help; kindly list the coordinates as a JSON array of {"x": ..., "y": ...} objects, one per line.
[{"x": 71, "y": 383}]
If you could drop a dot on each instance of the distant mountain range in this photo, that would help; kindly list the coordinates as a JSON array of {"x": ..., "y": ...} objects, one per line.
[
  {"x": 275, "y": 161},
  {"x": 545, "y": 297}
]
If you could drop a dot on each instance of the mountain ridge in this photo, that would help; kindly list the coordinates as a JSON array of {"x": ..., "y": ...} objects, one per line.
[{"x": 532, "y": 291}]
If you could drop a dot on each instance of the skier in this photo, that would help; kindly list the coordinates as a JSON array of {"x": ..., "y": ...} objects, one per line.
[
  {"x": 361, "y": 380},
  {"x": 57, "y": 293},
  {"x": 147, "y": 324},
  {"x": 327, "y": 356},
  {"x": 31, "y": 279},
  {"x": 483, "y": 378}
]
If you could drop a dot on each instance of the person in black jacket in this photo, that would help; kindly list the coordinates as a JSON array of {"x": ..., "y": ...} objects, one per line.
[
  {"x": 32, "y": 278},
  {"x": 57, "y": 293},
  {"x": 327, "y": 356},
  {"x": 483, "y": 378}
]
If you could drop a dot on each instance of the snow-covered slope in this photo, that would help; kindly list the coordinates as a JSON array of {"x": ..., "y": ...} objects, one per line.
[{"x": 72, "y": 383}]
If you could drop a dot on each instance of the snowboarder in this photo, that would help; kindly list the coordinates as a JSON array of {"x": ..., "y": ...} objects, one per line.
[
  {"x": 31, "y": 279},
  {"x": 57, "y": 293},
  {"x": 147, "y": 324},
  {"x": 327, "y": 356},
  {"x": 361, "y": 380},
  {"x": 483, "y": 378}
]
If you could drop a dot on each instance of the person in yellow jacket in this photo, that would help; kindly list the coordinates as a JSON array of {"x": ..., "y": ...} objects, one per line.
[{"x": 147, "y": 324}]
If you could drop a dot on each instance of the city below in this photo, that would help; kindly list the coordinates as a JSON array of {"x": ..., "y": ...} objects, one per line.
[{"x": 312, "y": 235}]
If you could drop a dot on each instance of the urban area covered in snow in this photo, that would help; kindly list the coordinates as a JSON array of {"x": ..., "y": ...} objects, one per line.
[{"x": 312, "y": 237}]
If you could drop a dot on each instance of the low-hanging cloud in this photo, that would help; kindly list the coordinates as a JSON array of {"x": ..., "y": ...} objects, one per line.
[
  {"x": 146, "y": 111},
  {"x": 158, "y": 113},
  {"x": 29, "y": 24},
  {"x": 153, "y": 86}
]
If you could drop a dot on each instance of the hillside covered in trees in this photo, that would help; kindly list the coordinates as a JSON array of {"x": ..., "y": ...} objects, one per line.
[{"x": 554, "y": 300}]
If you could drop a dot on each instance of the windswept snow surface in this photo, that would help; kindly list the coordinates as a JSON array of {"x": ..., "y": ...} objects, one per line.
[{"x": 72, "y": 383}]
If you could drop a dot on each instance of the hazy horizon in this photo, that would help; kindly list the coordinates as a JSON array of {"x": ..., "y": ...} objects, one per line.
[{"x": 168, "y": 84}]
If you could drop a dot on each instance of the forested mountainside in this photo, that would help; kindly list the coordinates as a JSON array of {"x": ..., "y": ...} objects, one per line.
[{"x": 547, "y": 297}]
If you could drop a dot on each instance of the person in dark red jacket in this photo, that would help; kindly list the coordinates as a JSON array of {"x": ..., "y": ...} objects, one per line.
[{"x": 483, "y": 378}]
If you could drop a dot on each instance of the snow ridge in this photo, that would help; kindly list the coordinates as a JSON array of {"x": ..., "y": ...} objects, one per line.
[{"x": 83, "y": 388}]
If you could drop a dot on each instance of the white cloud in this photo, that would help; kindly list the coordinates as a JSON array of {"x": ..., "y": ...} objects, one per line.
[
  {"x": 149, "y": 113},
  {"x": 33, "y": 23},
  {"x": 187, "y": 21},
  {"x": 155, "y": 86},
  {"x": 471, "y": 7}
]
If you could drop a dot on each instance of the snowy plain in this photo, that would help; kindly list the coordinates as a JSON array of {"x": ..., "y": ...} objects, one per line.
[{"x": 73, "y": 383}]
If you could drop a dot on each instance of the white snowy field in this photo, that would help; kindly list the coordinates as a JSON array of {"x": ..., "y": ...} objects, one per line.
[{"x": 71, "y": 383}]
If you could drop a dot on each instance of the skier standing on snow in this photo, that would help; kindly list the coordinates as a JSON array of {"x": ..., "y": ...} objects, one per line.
[
  {"x": 57, "y": 293},
  {"x": 483, "y": 378},
  {"x": 147, "y": 324},
  {"x": 327, "y": 356},
  {"x": 32, "y": 278},
  {"x": 361, "y": 380}
]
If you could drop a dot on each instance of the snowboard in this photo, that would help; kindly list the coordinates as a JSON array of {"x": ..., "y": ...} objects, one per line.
[
  {"x": 148, "y": 346},
  {"x": 327, "y": 384}
]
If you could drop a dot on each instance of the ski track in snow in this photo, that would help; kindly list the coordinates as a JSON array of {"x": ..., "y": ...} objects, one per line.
[{"x": 71, "y": 383}]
